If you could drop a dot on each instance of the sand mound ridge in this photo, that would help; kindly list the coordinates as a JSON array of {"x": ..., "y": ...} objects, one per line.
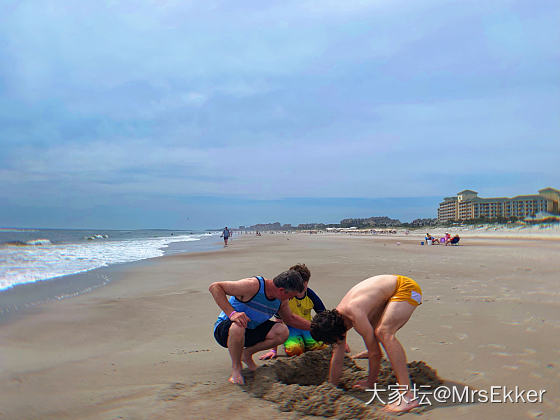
[{"x": 300, "y": 384}]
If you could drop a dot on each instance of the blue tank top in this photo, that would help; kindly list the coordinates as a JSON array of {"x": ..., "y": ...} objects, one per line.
[{"x": 259, "y": 308}]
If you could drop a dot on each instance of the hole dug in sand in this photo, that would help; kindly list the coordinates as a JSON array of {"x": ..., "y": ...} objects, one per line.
[{"x": 300, "y": 384}]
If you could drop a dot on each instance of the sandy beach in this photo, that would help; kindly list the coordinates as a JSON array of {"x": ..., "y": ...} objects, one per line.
[{"x": 142, "y": 347}]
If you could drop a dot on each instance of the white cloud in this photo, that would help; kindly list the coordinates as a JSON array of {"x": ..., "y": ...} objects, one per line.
[{"x": 352, "y": 98}]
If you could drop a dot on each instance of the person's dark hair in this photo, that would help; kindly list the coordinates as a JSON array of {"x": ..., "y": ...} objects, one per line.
[
  {"x": 290, "y": 280},
  {"x": 302, "y": 270},
  {"x": 328, "y": 327}
]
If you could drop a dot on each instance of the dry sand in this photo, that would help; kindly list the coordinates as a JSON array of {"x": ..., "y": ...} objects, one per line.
[{"x": 142, "y": 347}]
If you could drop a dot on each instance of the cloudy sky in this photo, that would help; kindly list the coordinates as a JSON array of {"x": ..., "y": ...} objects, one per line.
[{"x": 196, "y": 114}]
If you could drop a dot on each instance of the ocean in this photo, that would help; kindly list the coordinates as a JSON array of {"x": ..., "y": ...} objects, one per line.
[{"x": 45, "y": 256}]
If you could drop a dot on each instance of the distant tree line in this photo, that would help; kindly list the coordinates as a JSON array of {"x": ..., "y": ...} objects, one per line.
[
  {"x": 385, "y": 222},
  {"x": 371, "y": 222}
]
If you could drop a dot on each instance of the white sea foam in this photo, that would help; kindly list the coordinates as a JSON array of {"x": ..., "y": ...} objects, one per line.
[
  {"x": 35, "y": 242},
  {"x": 98, "y": 236},
  {"x": 45, "y": 260}
]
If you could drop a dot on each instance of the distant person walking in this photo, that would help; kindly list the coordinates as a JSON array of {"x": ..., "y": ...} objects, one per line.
[{"x": 225, "y": 235}]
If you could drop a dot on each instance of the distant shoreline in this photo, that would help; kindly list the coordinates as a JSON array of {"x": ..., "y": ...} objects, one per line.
[{"x": 538, "y": 231}]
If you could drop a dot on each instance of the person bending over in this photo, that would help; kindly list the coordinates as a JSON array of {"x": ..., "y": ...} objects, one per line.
[
  {"x": 244, "y": 325},
  {"x": 376, "y": 308}
]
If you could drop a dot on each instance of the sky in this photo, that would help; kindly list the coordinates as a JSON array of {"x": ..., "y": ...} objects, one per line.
[{"x": 198, "y": 114}]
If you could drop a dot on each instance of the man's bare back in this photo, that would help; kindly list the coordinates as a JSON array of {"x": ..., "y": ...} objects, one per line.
[{"x": 369, "y": 296}]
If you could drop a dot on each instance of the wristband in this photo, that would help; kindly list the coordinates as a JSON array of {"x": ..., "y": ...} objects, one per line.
[{"x": 232, "y": 312}]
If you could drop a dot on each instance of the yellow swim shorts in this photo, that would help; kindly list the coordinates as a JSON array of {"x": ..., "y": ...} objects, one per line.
[{"x": 407, "y": 291}]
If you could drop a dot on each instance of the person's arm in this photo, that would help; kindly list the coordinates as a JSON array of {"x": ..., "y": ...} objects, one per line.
[
  {"x": 365, "y": 329},
  {"x": 242, "y": 289},
  {"x": 292, "y": 320},
  {"x": 318, "y": 305},
  {"x": 337, "y": 362}
]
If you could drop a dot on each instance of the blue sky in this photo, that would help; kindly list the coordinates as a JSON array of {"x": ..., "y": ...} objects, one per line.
[{"x": 195, "y": 114}]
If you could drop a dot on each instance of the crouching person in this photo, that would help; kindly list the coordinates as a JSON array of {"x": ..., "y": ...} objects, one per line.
[{"x": 244, "y": 325}]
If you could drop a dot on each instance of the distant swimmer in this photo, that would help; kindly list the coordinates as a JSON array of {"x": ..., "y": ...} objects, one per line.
[
  {"x": 244, "y": 326},
  {"x": 376, "y": 308}
]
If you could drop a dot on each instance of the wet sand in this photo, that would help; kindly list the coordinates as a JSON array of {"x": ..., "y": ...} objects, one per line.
[
  {"x": 142, "y": 346},
  {"x": 299, "y": 384}
]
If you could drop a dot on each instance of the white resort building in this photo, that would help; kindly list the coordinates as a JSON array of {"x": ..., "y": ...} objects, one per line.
[{"x": 468, "y": 205}]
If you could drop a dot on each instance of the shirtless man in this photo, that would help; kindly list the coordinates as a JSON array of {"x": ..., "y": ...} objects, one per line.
[
  {"x": 376, "y": 308},
  {"x": 244, "y": 325}
]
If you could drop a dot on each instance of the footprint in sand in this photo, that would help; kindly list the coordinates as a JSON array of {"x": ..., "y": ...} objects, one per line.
[
  {"x": 493, "y": 346},
  {"x": 530, "y": 329},
  {"x": 531, "y": 363},
  {"x": 172, "y": 392},
  {"x": 476, "y": 374},
  {"x": 513, "y": 323},
  {"x": 470, "y": 357},
  {"x": 501, "y": 354}
]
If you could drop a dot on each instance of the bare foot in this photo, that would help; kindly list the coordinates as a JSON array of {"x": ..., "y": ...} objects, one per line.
[
  {"x": 248, "y": 360},
  {"x": 236, "y": 378},
  {"x": 402, "y": 406},
  {"x": 363, "y": 385},
  {"x": 271, "y": 354},
  {"x": 361, "y": 355}
]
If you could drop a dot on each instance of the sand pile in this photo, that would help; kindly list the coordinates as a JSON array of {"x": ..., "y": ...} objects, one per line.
[{"x": 300, "y": 384}]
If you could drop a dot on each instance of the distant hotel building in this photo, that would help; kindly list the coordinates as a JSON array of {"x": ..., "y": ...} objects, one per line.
[{"x": 468, "y": 205}]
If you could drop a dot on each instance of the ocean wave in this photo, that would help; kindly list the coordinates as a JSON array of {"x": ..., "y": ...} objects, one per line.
[
  {"x": 32, "y": 242},
  {"x": 28, "y": 264},
  {"x": 98, "y": 236},
  {"x": 36, "y": 242}
]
